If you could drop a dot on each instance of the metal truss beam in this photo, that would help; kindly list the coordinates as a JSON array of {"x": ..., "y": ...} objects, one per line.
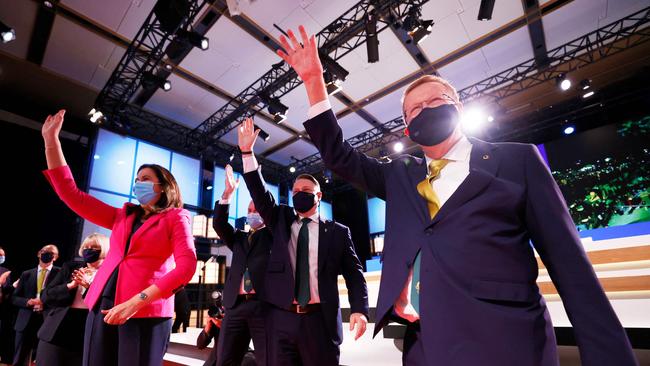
[
  {"x": 337, "y": 39},
  {"x": 606, "y": 41},
  {"x": 143, "y": 55}
]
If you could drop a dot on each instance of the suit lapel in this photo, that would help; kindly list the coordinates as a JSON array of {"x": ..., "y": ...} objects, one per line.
[
  {"x": 324, "y": 240},
  {"x": 483, "y": 166},
  {"x": 417, "y": 172}
]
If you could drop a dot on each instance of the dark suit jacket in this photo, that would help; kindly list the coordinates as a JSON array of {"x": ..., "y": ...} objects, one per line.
[
  {"x": 336, "y": 256},
  {"x": 58, "y": 298},
  {"x": 7, "y": 288},
  {"x": 27, "y": 290},
  {"x": 255, "y": 255},
  {"x": 480, "y": 304}
]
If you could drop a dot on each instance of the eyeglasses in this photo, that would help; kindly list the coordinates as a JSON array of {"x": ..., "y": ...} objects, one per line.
[{"x": 415, "y": 110}]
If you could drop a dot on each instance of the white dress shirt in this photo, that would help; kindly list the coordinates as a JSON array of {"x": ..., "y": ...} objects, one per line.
[
  {"x": 250, "y": 164},
  {"x": 448, "y": 181}
]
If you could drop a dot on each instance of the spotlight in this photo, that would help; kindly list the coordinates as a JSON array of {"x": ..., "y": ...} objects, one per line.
[
  {"x": 372, "y": 41},
  {"x": 170, "y": 13},
  {"x": 332, "y": 83},
  {"x": 8, "y": 34},
  {"x": 96, "y": 116},
  {"x": 473, "y": 119},
  {"x": 490, "y": 119},
  {"x": 194, "y": 38},
  {"x": 209, "y": 188},
  {"x": 277, "y": 109},
  {"x": 292, "y": 169},
  {"x": 152, "y": 81},
  {"x": 585, "y": 84},
  {"x": 563, "y": 82},
  {"x": 333, "y": 67},
  {"x": 398, "y": 147},
  {"x": 569, "y": 130},
  {"x": 417, "y": 28},
  {"x": 48, "y": 4},
  {"x": 588, "y": 94},
  {"x": 485, "y": 10},
  {"x": 263, "y": 134}
]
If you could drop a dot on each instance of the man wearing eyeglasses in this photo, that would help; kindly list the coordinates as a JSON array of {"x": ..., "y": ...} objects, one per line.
[{"x": 458, "y": 267}]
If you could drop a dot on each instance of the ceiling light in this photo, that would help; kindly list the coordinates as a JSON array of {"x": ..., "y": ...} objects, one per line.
[
  {"x": 8, "y": 34},
  {"x": 398, "y": 147},
  {"x": 292, "y": 169},
  {"x": 569, "y": 130},
  {"x": 563, "y": 82},
  {"x": 372, "y": 41},
  {"x": 486, "y": 9},
  {"x": 588, "y": 94},
  {"x": 585, "y": 84}
]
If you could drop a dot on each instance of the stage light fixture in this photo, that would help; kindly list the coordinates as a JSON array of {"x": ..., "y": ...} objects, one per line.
[
  {"x": 486, "y": 9},
  {"x": 151, "y": 81},
  {"x": 263, "y": 134},
  {"x": 277, "y": 109},
  {"x": 569, "y": 130},
  {"x": 193, "y": 38},
  {"x": 292, "y": 169},
  {"x": 332, "y": 83},
  {"x": 398, "y": 147},
  {"x": 96, "y": 116},
  {"x": 170, "y": 13},
  {"x": 8, "y": 33},
  {"x": 417, "y": 28},
  {"x": 372, "y": 40},
  {"x": 588, "y": 94},
  {"x": 333, "y": 67},
  {"x": 585, "y": 84},
  {"x": 473, "y": 120},
  {"x": 563, "y": 82}
]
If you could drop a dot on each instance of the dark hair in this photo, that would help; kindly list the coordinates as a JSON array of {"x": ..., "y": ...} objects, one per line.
[
  {"x": 308, "y": 177},
  {"x": 171, "y": 194}
]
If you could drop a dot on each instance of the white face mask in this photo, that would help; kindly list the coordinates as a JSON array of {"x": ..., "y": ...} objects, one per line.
[{"x": 254, "y": 220}]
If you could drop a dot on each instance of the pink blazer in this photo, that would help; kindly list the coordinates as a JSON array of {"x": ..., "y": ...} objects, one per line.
[{"x": 161, "y": 252}]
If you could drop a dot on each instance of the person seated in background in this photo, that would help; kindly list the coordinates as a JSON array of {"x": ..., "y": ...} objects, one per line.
[
  {"x": 211, "y": 331},
  {"x": 30, "y": 307},
  {"x": 62, "y": 333}
]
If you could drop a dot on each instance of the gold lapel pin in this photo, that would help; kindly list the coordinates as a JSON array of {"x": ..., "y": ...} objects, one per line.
[{"x": 486, "y": 156}]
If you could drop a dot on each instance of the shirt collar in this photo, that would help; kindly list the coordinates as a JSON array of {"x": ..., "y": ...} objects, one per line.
[
  {"x": 314, "y": 218},
  {"x": 48, "y": 268},
  {"x": 460, "y": 152}
]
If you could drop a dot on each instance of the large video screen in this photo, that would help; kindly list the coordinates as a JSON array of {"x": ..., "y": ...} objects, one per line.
[{"x": 604, "y": 174}]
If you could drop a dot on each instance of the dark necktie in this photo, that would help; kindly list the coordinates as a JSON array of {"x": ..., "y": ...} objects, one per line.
[
  {"x": 248, "y": 284},
  {"x": 302, "y": 264},
  {"x": 433, "y": 203}
]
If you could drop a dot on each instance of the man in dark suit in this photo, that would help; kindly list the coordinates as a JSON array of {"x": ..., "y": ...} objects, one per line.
[
  {"x": 6, "y": 312},
  {"x": 244, "y": 290},
  {"x": 307, "y": 256},
  {"x": 30, "y": 307},
  {"x": 458, "y": 227}
]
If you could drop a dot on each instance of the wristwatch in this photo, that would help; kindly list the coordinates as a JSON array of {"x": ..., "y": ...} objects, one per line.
[{"x": 143, "y": 296}]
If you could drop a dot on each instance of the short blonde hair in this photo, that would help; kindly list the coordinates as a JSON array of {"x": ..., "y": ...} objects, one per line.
[
  {"x": 429, "y": 79},
  {"x": 95, "y": 238}
]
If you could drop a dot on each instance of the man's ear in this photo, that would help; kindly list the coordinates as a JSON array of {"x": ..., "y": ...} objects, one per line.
[{"x": 319, "y": 195}]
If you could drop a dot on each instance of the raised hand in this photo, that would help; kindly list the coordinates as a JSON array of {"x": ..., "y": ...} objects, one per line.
[
  {"x": 302, "y": 57},
  {"x": 247, "y": 135},
  {"x": 52, "y": 127},
  {"x": 231, "y": 183}
]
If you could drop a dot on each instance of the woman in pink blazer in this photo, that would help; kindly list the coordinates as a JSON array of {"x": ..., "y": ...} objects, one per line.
[{"x": 151, "y": 256}]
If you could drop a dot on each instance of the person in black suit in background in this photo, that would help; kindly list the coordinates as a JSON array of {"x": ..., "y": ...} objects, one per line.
[
  {"x": 244, "y": 288},
  {"x": 307, "y": 256},
  {"x": 62, "y": 333},
  {"x": 27, "y": 298},
  {"x": 211, "y": 330},
  {"x": 6, "y": 312}
]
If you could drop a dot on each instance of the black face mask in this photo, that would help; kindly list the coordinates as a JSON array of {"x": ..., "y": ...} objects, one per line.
[
  {"x": 47, "y": 257},
  {"x": 91, "y": 255},
  {"x": 303, "y": 201},
  {"x": 433, "y": 125}
]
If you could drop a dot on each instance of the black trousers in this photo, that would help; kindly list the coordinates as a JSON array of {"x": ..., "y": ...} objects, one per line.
[
  {"x": 26, "y": 341},
  {"x": 300, "y": 339},
  {"x": 138, "y": 342},
  {"x": 242, "y": 322},
  {"x": 413, "y": 354},
  {"x": 50, "y": 354}
]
